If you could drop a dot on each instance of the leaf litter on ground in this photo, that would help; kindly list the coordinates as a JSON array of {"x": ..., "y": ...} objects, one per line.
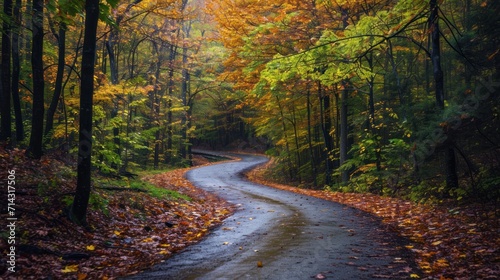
[
  {"x": 129, "y": 231},
  {"x": 133, "y": 230}
]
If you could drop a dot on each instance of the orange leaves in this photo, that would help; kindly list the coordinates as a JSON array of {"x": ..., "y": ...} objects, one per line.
[
  {"x": 456, "y": 243},
  {"x": 138, "y": 231}
]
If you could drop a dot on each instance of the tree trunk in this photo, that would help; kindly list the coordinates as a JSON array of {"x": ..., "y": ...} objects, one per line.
[
  {"x": 79, "y": 207},
  {"x": 16, "y": 72},
  {"x": 309, "y": 141},
  {"x": 61, "y": 63},
  {"x": 344, "y": 125},
  {"x": 371, "y": 110},
  {"x": 450, "y": 162},
  {"x": 156, "y": 100},
  {"x": 170, "y": 130},
  {"x": 6, "y": 130},
  {"x": 326, "y": 127},
  {"x": 344, "y": 131},
  {"x": 35, "y": 147},
  {"x": 291, "y": 170},
  {"x": 184, "y": 92}
]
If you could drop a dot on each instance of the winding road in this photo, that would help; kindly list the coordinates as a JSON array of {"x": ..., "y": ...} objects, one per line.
[{"x": 292, "y": 236}]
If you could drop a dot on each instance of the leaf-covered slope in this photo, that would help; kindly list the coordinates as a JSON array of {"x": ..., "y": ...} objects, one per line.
[{"x": 131, "y": 228}]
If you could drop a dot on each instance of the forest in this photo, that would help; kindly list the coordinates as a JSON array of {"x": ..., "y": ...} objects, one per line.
[{"x": 395, "y": 98}]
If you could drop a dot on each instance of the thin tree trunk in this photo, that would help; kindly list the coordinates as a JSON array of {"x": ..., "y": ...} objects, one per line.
[
  {"x": 80, "y": 203},
  {"x": 326, "y": 127},
  {"x": 35, "y": 146},
  {"x": 309, "y": 141},
  {"x": 61, "y": 63},
  {"x": 285, "y": 135},
  {"x": 6, "y": 130},
  {"x": 450, "y": 161},
  {"x": 344, "y": 130},
  {"x": 170, "y": 130},
  {"x": 16, "y": 73},
  {"x": 371, "y": 115},
  {"x": 344, "y": 125},
  {"x": 184, "y": 92},
  {"x": 297, "y": 145}
]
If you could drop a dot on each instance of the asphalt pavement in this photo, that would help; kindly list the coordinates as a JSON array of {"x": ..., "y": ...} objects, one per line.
[{"x": 275, "y": 234}]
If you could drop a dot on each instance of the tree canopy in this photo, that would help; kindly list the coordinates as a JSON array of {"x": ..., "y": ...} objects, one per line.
[{"x": 365, "y": 96}]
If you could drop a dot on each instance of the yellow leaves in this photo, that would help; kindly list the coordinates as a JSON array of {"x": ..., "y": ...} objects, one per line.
[
  {"x": 117, "y": 233},
  {"x": 413, "y": 275},
  {"x": 259, "y": 264},
  {"x": 223, "y": 212},
  {"x": 108, "y": 92},
  {"x": 70, "y": 268},
  {"x": 442, "y": 263},
  {"x": 146, "y": 240},
  {"x": 436, "y": 243},
  {"x": 90, "y": 248}
]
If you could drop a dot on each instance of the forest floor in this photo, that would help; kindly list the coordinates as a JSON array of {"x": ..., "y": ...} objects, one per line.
[
  {"x": 130, "y": 228},
  {"x": 133, "y": 228}
]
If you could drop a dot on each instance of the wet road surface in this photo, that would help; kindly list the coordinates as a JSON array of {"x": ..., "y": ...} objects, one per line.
[{"x": 292, "y": 235}]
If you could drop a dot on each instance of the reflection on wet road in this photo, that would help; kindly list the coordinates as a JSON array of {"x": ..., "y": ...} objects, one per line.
[{"x": 292, "y": 235}]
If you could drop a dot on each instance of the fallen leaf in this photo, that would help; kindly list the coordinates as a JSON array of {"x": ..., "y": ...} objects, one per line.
[
  {"x": 70, "y": 268},
  {"x": 259, "y": 264}
]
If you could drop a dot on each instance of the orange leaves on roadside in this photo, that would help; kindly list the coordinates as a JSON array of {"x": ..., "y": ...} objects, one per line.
[
  {"x": 458, "y": 243},
  {"x": 137, "y": 232}
]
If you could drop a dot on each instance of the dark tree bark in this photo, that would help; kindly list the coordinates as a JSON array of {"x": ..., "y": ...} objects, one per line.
[
  {"x": 61, "y": 42},
  {"x": 35, "y": 147},
  {"x": 344, "y": 125},
  {"x": 78, "y": 210},
  {"x": 309, "y": 142},
  {"x": 169, "y": 154},
  {"x": 326, "y": 127},
  {"x": 155, "y": 103},
  {"x": 184, "y": 93},
  {"x": 344, "y": 130},
  {"x": 450, "y": 161},
  {"x": 5, "y": 124},
  {"x": 16, "y": 73},
  {"x": 371, "y": 110}
]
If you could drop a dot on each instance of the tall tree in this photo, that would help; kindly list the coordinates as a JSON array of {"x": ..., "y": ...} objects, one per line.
[
  {"x": 35, "y": 146},
  {"x": 61, "y": 55},
  {"x": 16, "y": 71},
  {"x": 450, "y": 161},
  {"x": 5, "y": 125},
  {"x": 78, "y": 211}
]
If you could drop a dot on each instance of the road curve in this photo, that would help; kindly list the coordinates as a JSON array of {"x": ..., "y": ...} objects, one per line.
[{"x": 292, "y": 235}]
